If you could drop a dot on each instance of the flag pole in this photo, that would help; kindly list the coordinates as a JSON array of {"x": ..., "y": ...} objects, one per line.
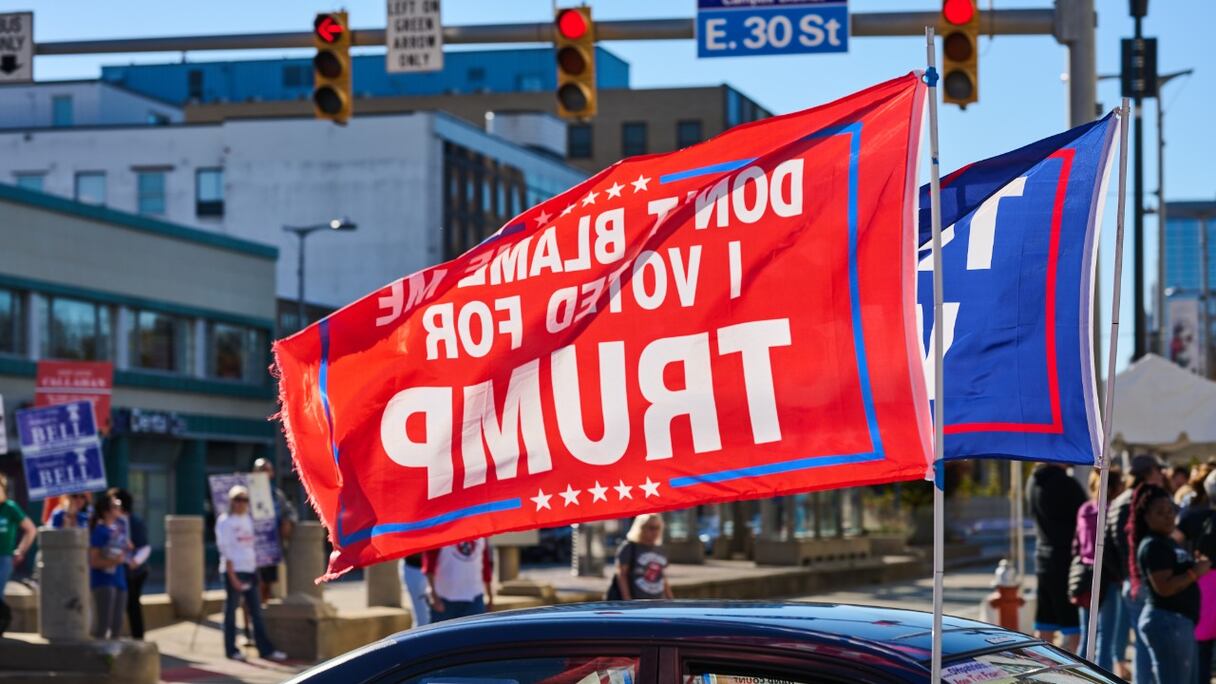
[
  {"x": 1108, "y": 409},
  {"x": 939, "y": 499}
]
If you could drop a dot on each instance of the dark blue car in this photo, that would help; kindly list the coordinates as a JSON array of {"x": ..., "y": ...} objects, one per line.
[{"x": 697, "y": 642}]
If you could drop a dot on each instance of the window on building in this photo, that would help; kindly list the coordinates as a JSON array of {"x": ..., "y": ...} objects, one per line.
[
  {"x": 12, "y": 339},
  {"x": 529, "y": 83},
  {"x": 91, "y": 187},
  {"x": 734, "y": 108},
  {"x": 61, "y": 111},
  {"x": 209, "y": 192},
  {"x": 156, "y": 118},
  {"x": 75, "y": 329},
  {"x": 477, "y": 75},
  {"x": 29, "y": 181},
  {"x": 150, "y": 186},
  {"x": 236, "y": 353},
  {"x": 578, "y": 141},
  {"x": 194, "y": 84},
  {"x": 296, "y": 76},
  {"x": 688, "y": 132},
  {"x": 633, "y": 138},
  {"x": 160, "y": 341}
]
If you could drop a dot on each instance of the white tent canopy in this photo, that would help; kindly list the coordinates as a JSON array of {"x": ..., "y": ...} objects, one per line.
[{"x": 1162, "y": 407}]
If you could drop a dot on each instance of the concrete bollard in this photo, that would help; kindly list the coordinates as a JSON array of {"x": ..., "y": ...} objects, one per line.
[
  {"x": 383, "y": 584},
  {"x": 184, "y": 564},
  {"x": 306, "y": 560},
  {"x": 63, "y": 603}
]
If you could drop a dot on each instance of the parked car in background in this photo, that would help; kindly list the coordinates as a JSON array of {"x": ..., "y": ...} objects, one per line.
[{"x": 689, "y": 642}]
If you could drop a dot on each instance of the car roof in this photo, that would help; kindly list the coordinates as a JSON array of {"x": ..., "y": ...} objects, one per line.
[{"x": 893, "y": 636}]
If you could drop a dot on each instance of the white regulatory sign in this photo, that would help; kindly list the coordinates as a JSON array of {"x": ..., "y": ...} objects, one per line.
[
  {"x": 17, "y": 47},
  {"x": 414, "y": 36}
]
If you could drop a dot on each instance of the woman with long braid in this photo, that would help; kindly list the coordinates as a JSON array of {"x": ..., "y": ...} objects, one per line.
[{"x": 1165, "y": 572}]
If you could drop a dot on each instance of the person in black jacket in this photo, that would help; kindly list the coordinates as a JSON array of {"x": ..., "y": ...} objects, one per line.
[
  {"x": 137, "y": 563},
  {"x": 1144, "y": 470},
  {"x": 1055, "y": 498}
]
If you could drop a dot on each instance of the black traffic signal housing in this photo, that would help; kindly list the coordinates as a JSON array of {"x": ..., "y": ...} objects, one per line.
[
  {"x": 331, "y": 67},
  {"x": 574, "y": 50},
  {"x": 960, "y": 31}
]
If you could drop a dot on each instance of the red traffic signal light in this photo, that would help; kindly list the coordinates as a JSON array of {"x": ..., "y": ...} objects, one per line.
[
  {"x": 327, "y": 28},
  {"x": 958, "y": 12},
  {"x": 571, "y": 24}
]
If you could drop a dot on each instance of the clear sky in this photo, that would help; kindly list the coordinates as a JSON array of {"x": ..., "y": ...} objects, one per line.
[{"x": 1023, "y": 95}]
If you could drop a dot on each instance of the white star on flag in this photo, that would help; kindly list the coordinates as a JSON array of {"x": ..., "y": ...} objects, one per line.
[
  {"x": 614, "y": 190},
  {"x": 651, "y": 488},
  {"x": 542, "y": 499},
  {"x": 640, "y": 183},
  {"x": 542, "y": 218},
  {"x": 590, "y": 198},
  {"x": 623, "y": 490},
  {"x": 569, "y": 208},
  {"x": 598, "y": 492},
  {"x": 570, "y": 495}
]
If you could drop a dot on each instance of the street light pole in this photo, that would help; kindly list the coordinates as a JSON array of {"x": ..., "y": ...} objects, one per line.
[
  {"x": 1161, "y": 208},
  {"x": 303, "y": 232},
  {"x": 1140, "y": 334}
]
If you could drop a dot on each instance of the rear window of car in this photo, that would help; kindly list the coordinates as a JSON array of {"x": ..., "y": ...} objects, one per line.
[{"x": 1029, "y": 664}]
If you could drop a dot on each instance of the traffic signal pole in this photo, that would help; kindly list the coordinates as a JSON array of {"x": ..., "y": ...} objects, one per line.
[{"x": 1071, "y": 22}]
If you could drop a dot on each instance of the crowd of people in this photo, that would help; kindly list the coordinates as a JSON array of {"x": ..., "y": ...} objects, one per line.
[{"x": 1157, "y": 593}]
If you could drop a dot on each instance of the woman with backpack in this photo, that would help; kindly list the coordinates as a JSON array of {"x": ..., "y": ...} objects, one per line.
[
  {"x": 1080, "y": 576},
  {"x": 641, "y": 567}
]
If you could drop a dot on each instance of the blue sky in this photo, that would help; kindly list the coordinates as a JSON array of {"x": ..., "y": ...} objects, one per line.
[{"x": 1022, "y": 93}]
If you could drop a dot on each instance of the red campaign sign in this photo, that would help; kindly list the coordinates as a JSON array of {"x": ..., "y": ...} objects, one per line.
[
  {"x": 730, "y": 321},
  {"x": 62, "y": 382}
]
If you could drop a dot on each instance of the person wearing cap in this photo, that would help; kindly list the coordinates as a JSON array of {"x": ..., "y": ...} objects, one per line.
[
  {"x": 238, "y": 564},
  {"x": 1145, "y": 470},
  {"x": 285, "y": 516}
]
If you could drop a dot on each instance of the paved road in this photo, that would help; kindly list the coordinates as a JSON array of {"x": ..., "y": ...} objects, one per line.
[{"x": 964, "y": 591}]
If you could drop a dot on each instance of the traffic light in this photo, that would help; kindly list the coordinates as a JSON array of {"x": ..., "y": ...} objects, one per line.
[
  {"x": 574, "y": 46},
  {"x": 960, "y": 40},
  {"x": 331, "y": 77}
]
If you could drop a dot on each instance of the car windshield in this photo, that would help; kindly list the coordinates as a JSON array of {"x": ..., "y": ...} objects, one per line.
[{"x": 1030, "y": 664}]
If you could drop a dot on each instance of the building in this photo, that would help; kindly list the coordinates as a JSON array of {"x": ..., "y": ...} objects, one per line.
[
  {"x": 185, "y": 317},
  {"x": 62, "y": 104},
  {"x": 421, "y": 187},
  {"x": 629, "y": 122},
  {"x": 471, "y": 84},
  {"x": 1183, "y": 337},
  {"x": 516, "y": 70}
]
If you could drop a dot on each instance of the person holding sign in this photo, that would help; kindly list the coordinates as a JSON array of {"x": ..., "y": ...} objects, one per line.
[
  {"x": 238, "y": 565},
  {"x": 108, "y": 549},
  {"x": 12, "y": 551}
]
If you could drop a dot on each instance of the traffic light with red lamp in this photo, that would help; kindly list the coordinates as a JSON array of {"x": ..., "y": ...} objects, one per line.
[
  {"x": 574, "y": 49},
  {"x": 960, "y": 31},
  {"x": 331, "y": 67}
]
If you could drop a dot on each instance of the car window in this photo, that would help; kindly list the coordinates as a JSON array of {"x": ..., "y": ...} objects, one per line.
[
  {"x": 549, "y": 670},
  {"x": 709, "y": 678},
  {"x": 1031, "y": 664}
]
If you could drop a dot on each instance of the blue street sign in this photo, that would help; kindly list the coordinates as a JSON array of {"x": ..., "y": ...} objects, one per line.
[
  {"x": 61, "y": 450},
  {"x": 742, "y": 28}
]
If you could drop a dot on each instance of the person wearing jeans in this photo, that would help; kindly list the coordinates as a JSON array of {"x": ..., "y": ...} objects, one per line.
[
  {"x": 1084, "y": 544},
  {"x": 416, "y": 588},
  {"x": 238, "y": 565},
  {"x": 459, "y": 579},
  {"x": 1166, "y": 570},
  {"x": 12, "y": 547}
]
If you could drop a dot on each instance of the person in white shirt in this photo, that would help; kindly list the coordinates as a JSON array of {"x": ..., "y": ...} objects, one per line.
[
  {"x": 238, "y": 565},
  {"x": 459, "y": 579}
]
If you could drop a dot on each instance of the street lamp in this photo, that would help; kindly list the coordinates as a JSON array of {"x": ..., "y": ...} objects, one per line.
[{"x": 303, "y": 232}]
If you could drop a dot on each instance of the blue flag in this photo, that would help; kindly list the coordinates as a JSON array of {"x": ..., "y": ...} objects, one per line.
[{"x": 1019, "y": 259}]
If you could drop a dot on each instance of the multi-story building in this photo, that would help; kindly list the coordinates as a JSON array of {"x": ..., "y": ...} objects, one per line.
[
  {"x": 420, "y": 187},
  {"x": 185, "y": 317},
  {"x": 63, "y": 104},
  {"x": 471, "y": 84},
  {"x": 1188, "y": 335}
]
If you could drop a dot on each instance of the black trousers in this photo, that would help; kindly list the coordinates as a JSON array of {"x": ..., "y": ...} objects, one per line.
[{"x": 135, "y": 611}]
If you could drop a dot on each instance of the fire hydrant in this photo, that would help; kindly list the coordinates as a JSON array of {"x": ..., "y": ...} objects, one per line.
[{"x": 1006, "y": 598}]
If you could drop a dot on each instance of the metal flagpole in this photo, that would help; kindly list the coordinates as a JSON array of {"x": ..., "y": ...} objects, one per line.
[
  {"x": 939, "y": 499},
  {"x": 1019, "y": 520},
  {"x": 1108, "y": 410}
]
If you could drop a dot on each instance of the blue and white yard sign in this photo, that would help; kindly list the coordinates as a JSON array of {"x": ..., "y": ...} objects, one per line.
[
  {"x": 61, "y": 450},
  {"x": 266, "y": 544},
  {"x": 742, "y": 28}
]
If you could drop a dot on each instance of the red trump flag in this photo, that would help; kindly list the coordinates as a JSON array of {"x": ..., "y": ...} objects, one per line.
[{"x": 730, "y": 321}]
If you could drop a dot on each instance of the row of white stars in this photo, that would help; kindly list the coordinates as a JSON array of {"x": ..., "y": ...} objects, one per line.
[
  {"x": 598, "y": 493},
  {"x": 614, "y": 190}
]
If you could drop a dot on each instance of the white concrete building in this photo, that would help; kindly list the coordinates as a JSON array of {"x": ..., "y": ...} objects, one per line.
[
  {"x": 63, "y": 104},
  {"x": 421, "y": 187}
]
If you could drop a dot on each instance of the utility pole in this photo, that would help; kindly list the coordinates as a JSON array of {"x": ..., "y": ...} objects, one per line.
[{"x": 1161, "y": 208}]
